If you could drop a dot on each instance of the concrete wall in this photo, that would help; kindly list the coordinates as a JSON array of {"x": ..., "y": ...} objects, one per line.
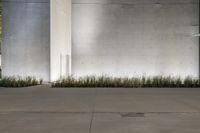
[
  {"x": 115, "y": 37},
  {"x": 60, "y": 38},
  {"x": 135, "y": 37},
  {"x": 26, "y": 38},
  {"x": 37, "y": 38}
]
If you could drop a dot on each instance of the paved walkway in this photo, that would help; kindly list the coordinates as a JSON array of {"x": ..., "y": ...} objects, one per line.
[{"x": 42, "y": 109}]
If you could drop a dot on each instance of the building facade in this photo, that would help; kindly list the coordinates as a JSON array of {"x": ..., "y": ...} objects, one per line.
[{"x": 54, "y": 38}]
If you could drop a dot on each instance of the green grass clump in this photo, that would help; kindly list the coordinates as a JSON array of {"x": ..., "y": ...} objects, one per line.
[
  {"x": 19, "y": 82},
  {"x": 135, "y": 82}
]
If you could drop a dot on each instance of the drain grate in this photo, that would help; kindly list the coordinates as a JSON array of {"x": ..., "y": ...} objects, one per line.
[{"x": 133, "y": 115}]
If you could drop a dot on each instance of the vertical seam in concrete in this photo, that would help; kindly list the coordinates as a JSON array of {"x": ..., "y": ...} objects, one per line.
[
  {"x": 91, "y": 121},
  {"x": 199, "y": 39},
  {"x": 70, "y": 56},
  {"x": 50, "y": 10},
  {"x": 93, "y": 110}
]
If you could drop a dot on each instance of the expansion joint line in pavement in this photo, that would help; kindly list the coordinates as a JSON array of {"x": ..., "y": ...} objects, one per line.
[
  {"x": 93, "y": 110},
  {"x": 91, "y": 121}
]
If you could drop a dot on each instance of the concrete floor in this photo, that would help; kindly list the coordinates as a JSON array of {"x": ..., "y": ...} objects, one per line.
[{"x": 42, "y": 109}]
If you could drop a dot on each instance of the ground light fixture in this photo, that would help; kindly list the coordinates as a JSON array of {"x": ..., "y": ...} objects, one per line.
[{"x": 196, "y": 35}]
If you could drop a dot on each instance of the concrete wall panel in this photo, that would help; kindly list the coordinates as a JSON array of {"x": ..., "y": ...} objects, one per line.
[
  {"x": 26, "y": 38},
  {"x": 135, "y": 37}
]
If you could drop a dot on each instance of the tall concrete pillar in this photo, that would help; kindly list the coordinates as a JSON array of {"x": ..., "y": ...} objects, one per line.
[
  {"x": 60, "y": 52},
  {"x": 36, "y": 38}
]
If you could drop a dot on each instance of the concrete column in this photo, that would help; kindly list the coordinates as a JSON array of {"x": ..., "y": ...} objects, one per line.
[{"x": 60, "y": 38}]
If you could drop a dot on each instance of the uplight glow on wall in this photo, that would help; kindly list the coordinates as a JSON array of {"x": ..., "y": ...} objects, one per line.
[
  {"x": 135, "y": 38},
  {"x": 50, "y": 39}
]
